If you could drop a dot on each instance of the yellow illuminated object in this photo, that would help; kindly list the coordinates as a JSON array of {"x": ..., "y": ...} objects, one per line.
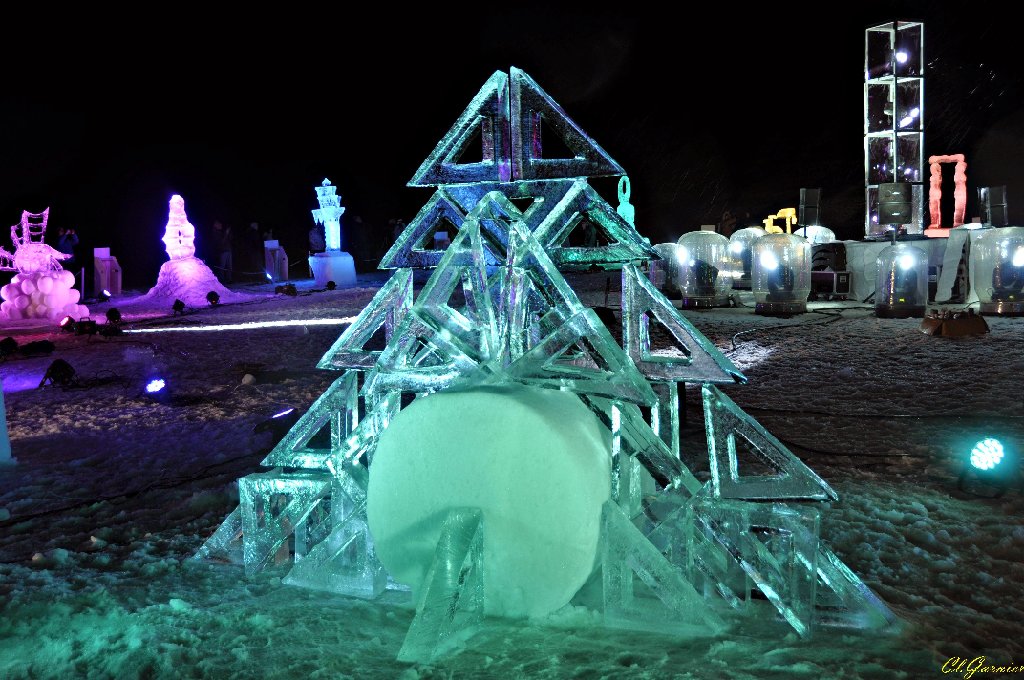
[{"x": 788, "y": 214}]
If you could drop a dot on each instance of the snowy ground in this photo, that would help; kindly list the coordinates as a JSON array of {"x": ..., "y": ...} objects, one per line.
[{"x": 113, "y": 491}]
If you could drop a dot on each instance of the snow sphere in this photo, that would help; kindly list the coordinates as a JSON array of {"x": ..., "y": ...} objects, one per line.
[
  {"x": 28, "y": 286},
  {"x": 45, "y": 284},
  {"x": 535, "y": 461},
  {"x": 22, "y": 301},
  {"x": 67, "y": 277}
]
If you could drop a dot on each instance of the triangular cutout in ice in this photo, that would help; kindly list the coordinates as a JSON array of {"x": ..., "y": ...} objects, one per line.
[
  {"x": 450, "y": 607},
  {"x": 338, "y": 409},
  {"x": 345, "y": 561},
  {"x": 626, "y": 557},
  {"x": 414, "y": 247},
  {"x": 624, "y": 243},
  {"x": 529, "y": 104},
  {"x": 843, "y": 600},
  {"x": 485, "y": 118},
  {"x": 274, "y": 505},
  {"x": 386, "y": 309},
  {"x": 703, "y": 362},
  {"x": 724, "y": 421},
  {"x": 613, "y": 374}
]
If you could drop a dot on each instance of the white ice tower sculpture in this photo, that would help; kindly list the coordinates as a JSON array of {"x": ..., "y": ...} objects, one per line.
[
  {"x": 334, "y": 264},
  {"x": 41, "y": 288},
  {"x": 504, "y": 455},
  {"x": 184, "y": 276}
]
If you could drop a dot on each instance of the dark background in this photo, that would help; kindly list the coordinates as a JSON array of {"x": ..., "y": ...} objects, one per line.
[{"x": 243, "y": 115}]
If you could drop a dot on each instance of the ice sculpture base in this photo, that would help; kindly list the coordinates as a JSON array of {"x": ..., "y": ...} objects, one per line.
[
  {"x": 780, "y": 308},
  {"x": 702, "y": 303},
  {"x": 1003, "y": 308},
  {"x": 334, "y": 265}
]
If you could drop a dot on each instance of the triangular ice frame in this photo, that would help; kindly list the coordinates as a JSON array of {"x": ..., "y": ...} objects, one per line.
[
  {"x": 488, "y": 111},
  {"x": 385, "y": 309},
  {"x": 359, "y": 446},
  {"x": 632, "y": 436},
  {"x": 604, "y": 369},
  {"x": 626, "y": 554},
  {"x": 641, "y": 300},
  {"x": 339, "y": 405},
  {"x": 528, "y": 104},
  {"x": 724, "y": 420},
  {"x": 545, "y": 194},
  {"x": 768, "y": 546},
  {"x": 450, "y": 607},
  {"x": 266, "y": 526},
  {"x": 345, "y": 561},
  {"x": 624, "y": 242},
  {"x": 404, "y": 253},
  {"x": 422, "y": 358},
  {"x": 463, "y": 263},
  {"x": 844, "y": 601},
  {"x": 225, "y": 545}
]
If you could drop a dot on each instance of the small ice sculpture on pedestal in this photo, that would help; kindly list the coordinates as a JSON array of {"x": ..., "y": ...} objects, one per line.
[
  {"x": 333, "y": 264},
  {"x": 41, "y": 289},
  {"x": 535, "y": 463}
]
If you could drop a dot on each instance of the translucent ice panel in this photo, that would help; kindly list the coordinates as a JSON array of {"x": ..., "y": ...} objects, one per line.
[
  {"x": 273, "y": 505},
  {"x": 337, "y": 407},
  {"x": 773, "y": 548},
  {"x": 386, "y": 309},
  {"x": 668, "y": 600},
  {"x": 724, "y": 423},
  {"x": 450, "y": 607},
  {"x": 642, "y": 303}
]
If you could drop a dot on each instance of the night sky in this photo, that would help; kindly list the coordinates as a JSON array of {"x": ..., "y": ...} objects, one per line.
[{"x": 244, "y": 116}]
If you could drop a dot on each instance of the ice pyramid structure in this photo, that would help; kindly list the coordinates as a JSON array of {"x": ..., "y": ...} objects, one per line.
[{"x": 676, "y": 554}]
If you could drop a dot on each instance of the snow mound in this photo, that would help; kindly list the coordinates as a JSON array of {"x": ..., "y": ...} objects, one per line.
[{"x": 187, "y": 279}]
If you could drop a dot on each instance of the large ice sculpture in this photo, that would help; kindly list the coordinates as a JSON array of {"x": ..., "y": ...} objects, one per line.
[
  {"x": 935, "y": 189},
  {"x": 333, "y": 264},
  {"x": 502, "y": 429},
  {"x": 184, "y": 276},
  {"x": 41, "y": 288}
]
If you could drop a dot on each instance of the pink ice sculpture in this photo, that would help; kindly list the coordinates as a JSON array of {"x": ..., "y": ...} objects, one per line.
[
  {"x": 180, "y": 235},
  {"x": 959, "y": 189},
  {"x": 41, "y": 288},
  {"x": 184, "y": 276}
]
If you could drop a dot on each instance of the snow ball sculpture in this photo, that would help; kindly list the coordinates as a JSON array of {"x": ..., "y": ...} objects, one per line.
[{"x": 40, "y": 289}]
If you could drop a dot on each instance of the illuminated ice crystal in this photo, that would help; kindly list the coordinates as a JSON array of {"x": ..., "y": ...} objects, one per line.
[{"x": 497, "y": 313}]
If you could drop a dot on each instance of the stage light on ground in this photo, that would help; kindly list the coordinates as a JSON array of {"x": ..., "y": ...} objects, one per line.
[
  {"x": 114, "y": 315},
  {"x": 104, "y": 295},
  {"x": 287, "y": 289},
  {"x": 987, "y": 454},
  {"x": 59, "y": 373},
  {"x": 269, "y": 277},
  {"x": 155, "y": 385},
  {"x": 85, "y": 326},
  {"x": 67, "y": 324},
  {"x": 8, "y": 346},
  {"x": 331, "y": 285},
  {"x": 991, "y": 468},
  {"x": 178, "y": 307},
  {"x": 213, "y": 297}
]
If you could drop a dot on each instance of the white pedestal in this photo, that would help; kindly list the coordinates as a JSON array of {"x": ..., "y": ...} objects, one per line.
[{"x": 334, "y": 265}]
